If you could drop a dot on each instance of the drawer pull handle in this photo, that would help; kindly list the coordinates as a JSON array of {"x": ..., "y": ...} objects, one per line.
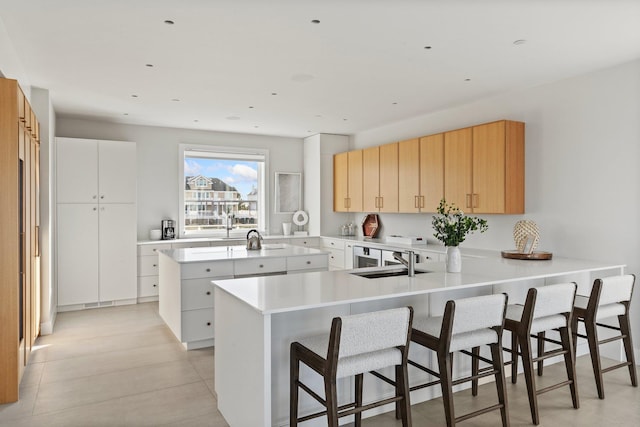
[
  {"x": 208, "y": 323},
  {"x": 154, "y": 285},
  {"x": 261, "y": 265},
  {"x": 208, "y": 292},
  {"x": 208, "y": 270},
  {"x": 155, "y": 250},
  {"x": 308, "y": 262},
  {"x": 154, "y": 265}
]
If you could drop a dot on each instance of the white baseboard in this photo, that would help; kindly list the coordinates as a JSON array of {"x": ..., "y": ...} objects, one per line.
[{"x": 46, "y": 328}]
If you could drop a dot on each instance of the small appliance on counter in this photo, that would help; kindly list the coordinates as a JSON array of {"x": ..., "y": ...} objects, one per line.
[
  {"x": 406, "y": 240},
  {"x": 254, "y": 240},
  {"x": 168, "y": 229}
]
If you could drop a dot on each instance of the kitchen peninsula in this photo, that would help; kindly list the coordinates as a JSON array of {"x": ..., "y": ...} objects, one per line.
[
  {"x": 257, "y": 318},
  {"x": 186, "y": 300}
]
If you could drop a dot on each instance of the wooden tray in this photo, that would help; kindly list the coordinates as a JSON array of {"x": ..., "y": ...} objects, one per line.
[
  {"x": 534, "y": 256},
  {"x": 370, "y": 225}
]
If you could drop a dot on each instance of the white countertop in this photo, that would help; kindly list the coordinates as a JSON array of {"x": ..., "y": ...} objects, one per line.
[
  {"x": 277, "y": 294},
  {"x": 232, "y": 240},
  {"x": 221, "y": 253}
]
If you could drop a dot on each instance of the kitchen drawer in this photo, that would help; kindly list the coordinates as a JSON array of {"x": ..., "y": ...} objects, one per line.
[
  {"x": 309, "y": 242},
  {"x": 181, "y": 245},
  {"x": 148, "y": 265},
  {"x": 330, "y": 243},
  {"x": 148, "y": 286},
  {"x": 336, "y": 257},
  {"x": 260, "y": 266},
  {"x": 197, "y": 293},
  {"x": 152, "y": 249},
  {"x": 197, "y": 325},
  {"x": 307, "y": 262},
  {"x": 197, "y": 270}
]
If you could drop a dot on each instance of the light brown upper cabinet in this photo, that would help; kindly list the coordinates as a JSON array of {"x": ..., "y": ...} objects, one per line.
[
  {"x": 347, "y": 181},
  {"x": 421, "y": 174},
  {"x": 484, "y": 168},
  {"x": 380, "y": 178}
]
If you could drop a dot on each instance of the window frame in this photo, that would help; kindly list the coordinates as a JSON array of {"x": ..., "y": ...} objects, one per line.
[{"x": 238, "y": 153}]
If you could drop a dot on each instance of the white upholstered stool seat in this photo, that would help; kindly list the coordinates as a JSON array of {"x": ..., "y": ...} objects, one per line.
[
  {"x": 466, "y": 324},
  {"x": 546, "y": 323},
  {"x": 356, "y": 344},
  {"x": 610, "y": 298}
]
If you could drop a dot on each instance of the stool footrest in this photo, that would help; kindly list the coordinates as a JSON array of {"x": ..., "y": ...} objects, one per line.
[
  {"x": 479, "y": 412},
  {"x": 603, "y": 325},
  {"x": 548, "y": 354},
  {"x": 484, "y": 359},
  {"x": 553, "y": 387},
  {"x": 616, "y": 338},
  {"x": 423, "y": 368},
  {"x": 619, "y": 365}
]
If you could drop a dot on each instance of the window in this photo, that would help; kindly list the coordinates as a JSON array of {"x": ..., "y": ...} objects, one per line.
[{"x": 223, "y": 190}]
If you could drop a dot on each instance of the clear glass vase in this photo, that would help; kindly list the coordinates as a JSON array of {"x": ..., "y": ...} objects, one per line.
[{"x": 454, "y": 259}]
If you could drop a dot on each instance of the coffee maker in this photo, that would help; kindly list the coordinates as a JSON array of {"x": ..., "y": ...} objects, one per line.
[{"x": 168, "y": 229}]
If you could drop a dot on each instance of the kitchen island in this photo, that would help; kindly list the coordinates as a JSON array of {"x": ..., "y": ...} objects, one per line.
[
  {"x": 186, "y": 300},
  {"x": 256, "y": 319}
]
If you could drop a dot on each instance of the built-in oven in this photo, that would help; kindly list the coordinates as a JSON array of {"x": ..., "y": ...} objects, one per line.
[
  {"x": 366, "y": 257},
  {"x": 388, "y": 259}
]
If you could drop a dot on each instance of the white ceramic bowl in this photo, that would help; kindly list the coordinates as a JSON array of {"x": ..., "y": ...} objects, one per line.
[{"x": 155, "y": 234}]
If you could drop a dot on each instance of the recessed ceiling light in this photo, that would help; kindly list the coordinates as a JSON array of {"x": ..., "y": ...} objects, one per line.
[
  {"x": 519, "y": 42},
  {"x": 175, "y": 100},
  {"x": 302, "y": 78},
  {"x": 394, "y": 103},
  {"x": 427, "y": 47},
  {"x": 149, "y": 65},
  {"x": 169, "y": 22},
  {"x": 318, "y": 115},
  {"x": 233, "y": 118},
  {"x": 274, "y": 93},
  {"x": 250, "y": 106},
  {"x": 195, "y": 121},
  {"x": 467, "y": 80},
  {"x": 126, "y": 114},
  {"x": 134, "y": 96},
  {"x": 315, "y": 21}
]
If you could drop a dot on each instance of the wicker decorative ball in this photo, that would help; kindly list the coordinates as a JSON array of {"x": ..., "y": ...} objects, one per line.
[{"x": 526, "y": 235}]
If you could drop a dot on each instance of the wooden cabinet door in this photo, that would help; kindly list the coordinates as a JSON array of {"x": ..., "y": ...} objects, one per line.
[
  {"x": 76, "y": 170},
  {"x": 340, "y": 182},
  {"x": 370, "y": 179},
  {"x": 77, "y": 253},
  {"x": 489, "y": 168},
  {"x": 117, "y": 171},
  {"x": 388, "y": 199},
  {"x": 117, "y": 254},
  {"x": 458, "y": 146},
  {"x": 431, "y": 172},
  {"x": 355, "y": 181},
  {"x": 409, "y": 173}
]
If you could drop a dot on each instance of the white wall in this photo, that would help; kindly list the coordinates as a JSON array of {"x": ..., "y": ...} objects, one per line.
[
  {"x": 158, "y": 183},
  {"x": 582, "y": 178}
]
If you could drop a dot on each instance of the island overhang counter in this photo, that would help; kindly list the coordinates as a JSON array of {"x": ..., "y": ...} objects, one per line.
[{"x": 257, "y": 318}]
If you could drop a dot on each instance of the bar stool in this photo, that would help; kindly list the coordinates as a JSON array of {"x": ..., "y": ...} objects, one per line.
[
  {"x": 610, "y": 297},
  {"x": 356, "y": 344},
  {"x": 546, "y": 308},
  {"x": 467, "y": 323}
]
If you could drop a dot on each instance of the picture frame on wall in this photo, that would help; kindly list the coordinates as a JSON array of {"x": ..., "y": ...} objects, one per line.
[{"x": 288, "y": 192}]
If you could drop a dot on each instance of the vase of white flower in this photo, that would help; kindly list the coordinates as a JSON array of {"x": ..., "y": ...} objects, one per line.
[{"x": 451, "y": 227}]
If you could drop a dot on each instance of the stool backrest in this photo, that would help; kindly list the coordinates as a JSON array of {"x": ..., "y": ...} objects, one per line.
[
  {"x": 472, "y": 314},
  {"x": 553, "y": 299},
  {"x": 614, "y": 289},
  {"x": 379, "y": 330}
]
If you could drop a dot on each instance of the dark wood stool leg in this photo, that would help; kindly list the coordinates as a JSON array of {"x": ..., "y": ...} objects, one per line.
[
  {"x": 514, "y": 357},
  {"x": 625, "y": 328},
  {"x": 594, "y": 350},
  {"x": 358, "y": 392},
  {"x": 402, "y": 379},
  {"x": 475, "y": 367},
  {"x": 527, "y": 362},
  {"x": 498, "y": 365},
  {"x": 541, "y": 336},
  {"x": 294, "y": 373},
  {"x": 570, "y": 364},
  {"x": 574, "y": 332},
  {"x": 445, "y": 366},
  {"x": 331, "y": 396}
]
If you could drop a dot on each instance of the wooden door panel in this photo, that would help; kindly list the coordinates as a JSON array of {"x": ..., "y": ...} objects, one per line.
[
  {"x": 431, "y": 172},
  {"x": 370, "y": 178},
  {"x": 340, "y": 182},
  {"x": 458, "y": 146},
  {"x": 409, "y": 172},
  {"x": 355, "y": 181},
  {"x": 388, "y": 201},
  {"x": 489, "y": 168}
]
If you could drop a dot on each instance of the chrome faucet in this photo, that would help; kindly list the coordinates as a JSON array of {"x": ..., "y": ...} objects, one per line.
[{"x": 410, "y": 263}]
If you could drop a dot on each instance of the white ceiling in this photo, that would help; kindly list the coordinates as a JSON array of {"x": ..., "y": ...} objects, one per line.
[{"x": 262, "y": 66}]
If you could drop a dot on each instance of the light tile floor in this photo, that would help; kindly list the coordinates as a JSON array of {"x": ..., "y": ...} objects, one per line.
[{"x": 121, "y": 366}]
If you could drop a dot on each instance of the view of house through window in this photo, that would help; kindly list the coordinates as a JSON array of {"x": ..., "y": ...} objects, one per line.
[{"x": 223, "y": 192}]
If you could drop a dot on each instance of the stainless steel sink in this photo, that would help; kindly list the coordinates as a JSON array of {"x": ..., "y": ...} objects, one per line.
[{"x": 377, "y": 274}]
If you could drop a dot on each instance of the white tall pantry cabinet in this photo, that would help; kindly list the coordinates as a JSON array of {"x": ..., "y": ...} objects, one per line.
[{"x": 96, "y": 223}]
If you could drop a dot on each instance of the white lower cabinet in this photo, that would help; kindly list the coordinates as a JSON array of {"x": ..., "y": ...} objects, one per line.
[
  {"x": 335, "y": 247},
  {"x": 96, "y": 249},
  {"x": 186, "y": 301}
]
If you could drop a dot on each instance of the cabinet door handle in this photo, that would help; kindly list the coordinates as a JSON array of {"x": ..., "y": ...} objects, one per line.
[
  {"x": 381, "y": 202},
  {"x": 415, "y": 201},
  {"x": 468, "y": 200},
  {"x": 95, "y": 209},
  {"x": 102, "y": 197},
  {"x": 308, "y": 262},
  {"x": 475, "y": 200},
  {"x": 261, "y": 265},
  {"x": 208, "y": 270},
  {"x": 208, "y": 292},
  {"x": 155, "y": 286},
  {"x": 155, "y": 265},
  {"x": 208, "y": 323},
  {"x": 345, "y": 203},
  {"x": 95, "y": 197}
]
